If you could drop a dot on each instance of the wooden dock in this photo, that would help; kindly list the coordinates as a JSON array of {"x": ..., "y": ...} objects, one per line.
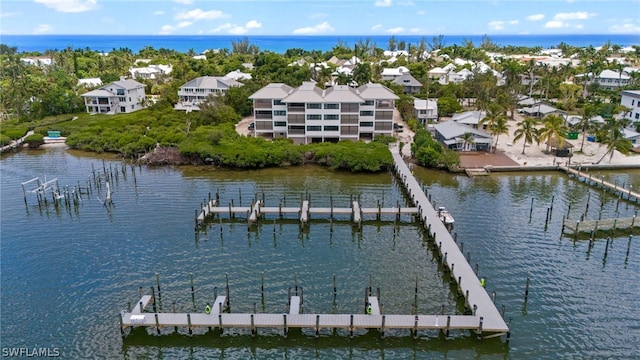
[
  {"x": 303, "y": 212},
  {"x": 587, "y": 226},
  {"x": 591, "y": 180},
  {"x": 476, "y": 296},
  {"x": 294, "y": 318}
]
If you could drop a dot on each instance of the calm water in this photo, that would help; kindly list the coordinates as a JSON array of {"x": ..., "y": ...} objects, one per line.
[
  {"x": 67, "y": 274},
  {"x": 281, "y": 43}
]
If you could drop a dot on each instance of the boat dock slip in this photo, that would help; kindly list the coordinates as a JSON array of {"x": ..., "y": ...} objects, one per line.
[
  {"x": 588, "y": 226},
  {"x": 590, "y": 179},
  {"x": 476, "y": 296}
]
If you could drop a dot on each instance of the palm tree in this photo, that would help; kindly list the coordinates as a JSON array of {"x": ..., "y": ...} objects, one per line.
[
  {"x": 554, "y": 127},
  {"x": 585, "y": 124},
  {"x": 614, "y": 140},
  {"x": 527, "y": 129},
  {"x": 496, "y": 121},
  {"x": 467, "y": 138},
  {"x": 500, "y": 127}
]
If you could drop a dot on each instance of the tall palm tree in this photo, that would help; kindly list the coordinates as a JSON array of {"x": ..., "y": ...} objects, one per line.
[
  {"x": 467, "y": 138},
  {"x": 585, "y": 123},
  {"x": 500, "y": 127},
  {"x": 496, "y": 121},
  {"x": 527, "y": 129},
  {"x": 554, "y": 127},
  {"x": 614, "y": 139}
]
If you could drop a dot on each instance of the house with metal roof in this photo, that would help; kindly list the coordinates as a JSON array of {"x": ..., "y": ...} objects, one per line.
[
  {"x": 425, "y": 110},
  {"x": 196, "y": 91},
  {"x": 122, "y": 96},
  {"x": 409, "y": 84},
  {"x": 393, "y": 73},
  {"x": 631, "y": 100},
  {"x": 470, "y": 118},
  {"x": 451, "y": 135},
  {"x": 309, "y": 114},
  {"x": 541, "y": 110}
]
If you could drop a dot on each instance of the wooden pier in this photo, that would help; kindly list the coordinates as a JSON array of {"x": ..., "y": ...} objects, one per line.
[
  {"x": 303, "y": 212},
  {"x": 589, "y": 179},
  {"x": 453, "y": 260},
  {"x": 588, "y": 226}
]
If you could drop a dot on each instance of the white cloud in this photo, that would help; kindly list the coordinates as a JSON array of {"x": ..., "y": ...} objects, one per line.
[
  {"x": 421, "y": 12},
  {"x": 535, "y": 17},
  {"x": 625, "y": 29},
  {"x": 496, "y": 25},
  {"x": 69, "y": 6},
  {"x": 395, "y": 30},
  {"x": 183, "y": 2},
  {"x": 253, "y": 24},
  {"x": 578, "y": 15},
  {"x": 167, "y": 29},
  {"x": 234, "y": 29},
  {"x": 514, "y": 22},
  {"x": 42, "y": 29},
  {"x": 158, "y": 12},
  {"x": 382, "y": 3},
  {"x": 322, "y": 28},
  {"x": 555, "y": 24},
  {"x": 376, "y": 27},
  {"x": 199, "y": 14}
]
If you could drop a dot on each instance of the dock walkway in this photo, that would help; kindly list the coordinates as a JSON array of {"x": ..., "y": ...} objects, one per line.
[{"x": 588, "y": 178}]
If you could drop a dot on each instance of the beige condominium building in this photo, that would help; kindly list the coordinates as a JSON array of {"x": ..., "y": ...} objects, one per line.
[{"x": 309, "y": 114}]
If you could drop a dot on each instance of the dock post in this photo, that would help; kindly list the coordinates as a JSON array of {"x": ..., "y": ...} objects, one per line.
[
  {"x": 189, "y": 324},
  {"x": 317, "y": 326},
  {"x": 159, "y": 293},
  {"x": 476, "y": 269},
  {"x": 531, "y": 209},
  {"x": 193, "y": 293},
  {"x": 493, "y": 296},
  {"x": 157, "y": 324},
  {"x": 606, "y": 248},
  {"x": 284, "y": 318},
  {"x": 253, "y": 327},
  {"x": 262, "y": 286},
  {"x": 626, "y": 258},
  {"x": 227, "y": 289},
  {"x": 526, "y": 291},
  {"x": 415, "y": 297},
  {"x": 480, "y": 328},
  {"x": 220, "y": 323},
  {"x": 444, "y": 261},
  {"x": 382, "y": 326},
  {"x": 121, "y": 326},
  {"x": 153, "y": 296},
  {"x": 475, "y": 308},
  {"x": 446, "y": 334},
  {"x": 415, "y": 327},
  {"x": 351, "y": 326}
]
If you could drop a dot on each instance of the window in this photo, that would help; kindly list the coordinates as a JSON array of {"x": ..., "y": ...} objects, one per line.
[
  {"x": 132, "y": 107},
  {"x": 314, "y": 117},
  {"x": 314, "y": 128},
  {"x": 368, "y": 102},
  {"x": 350, "y": 107},
  {"x": 120, "y": 92},
  {"x": 633, "y": 102},
  {"x": 637, "y": 116},
  {"x": 366, "y": 113},
  {"x": 331, "y": 117},
  {"x": 366, "y": 124},
  {"x": 279, "y": 113},
  {"x": 277, "y": 102},
  {"x": 279, "y": 123},
  {"x": 123, "y": 99},
  {"x": 123, "y": 109},
  {"x": 314, "y": 106},
  {"x": 129, "y": 99},
  {"x": 331, "y": 128},
  {"x": 332, "y": 106}
]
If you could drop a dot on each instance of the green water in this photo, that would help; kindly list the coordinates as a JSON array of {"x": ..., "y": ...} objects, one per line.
[{"x": 66, "y": 274}]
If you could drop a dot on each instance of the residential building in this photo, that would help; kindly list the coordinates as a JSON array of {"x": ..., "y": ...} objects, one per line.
[
  {"x": 409, "y": 83},
  {"x": 37, "y": 61},
  {"x": 451, "y": 135},
  {"x": 425, "y": 110},
  {"x": 238, "y": 75},
  {"x": 123, "y": 96},
  {"x": 309, "y": 114},
  {"x": 150, "y": 72},
  {"x": 541, "y": 110},
  {"x": 612, "y": 80},
  {"x": 470, "y": 118},
  {"x": 393, "y": 73},
  {"x": 196, "y": 91},
  {"x": 89, "y": 82},
  {"x": 633, "y": 136},
  {"x": 631, "y": 100}
]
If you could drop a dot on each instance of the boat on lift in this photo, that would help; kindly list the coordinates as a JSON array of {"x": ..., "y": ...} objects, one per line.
[{"x": 444, "y": 216}]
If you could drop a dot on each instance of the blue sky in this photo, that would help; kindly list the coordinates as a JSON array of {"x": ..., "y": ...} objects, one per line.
[{"x": 319, "y": 17}]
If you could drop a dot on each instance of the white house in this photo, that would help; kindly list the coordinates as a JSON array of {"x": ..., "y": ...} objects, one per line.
[
  {"x": 123, "y": 96},
  {"x": 89, "y": 82},
  {"x": 393, "y": 73},
  {"x": 309, "y": 114},
  {"x": 196, "y": 91},
  {"x": 238, "y": 75},
  {"x": 451, "y": 134},
  {"x": 612, "y": 80},
  {"x": 631, "y": 100},
  {"x": 469, "y": 118},
  {"x": 425, "y": 110},
  {"x": 37, "y": 60},
  {"x": 633, "y": 136},
  {"x": 150, "y": 72}
]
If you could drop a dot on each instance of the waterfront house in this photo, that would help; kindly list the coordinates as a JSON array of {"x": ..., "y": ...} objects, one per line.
[
  {"x": 122, "y": 96},
  {"x": 451, "y": 135},
  {"x": 409, "y": 84},
  {"x": 309, "y": 114},
  {"x": 631, "y": 100},
  {"x": 470, "y": 118},
  {"x": 196, "y": 91},
  {"x": 425, "y": 110}
]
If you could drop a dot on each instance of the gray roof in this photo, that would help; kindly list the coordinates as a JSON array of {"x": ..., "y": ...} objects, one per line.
[
  {"x": 406, "y": 80},
  {"x": 342, "y": 94},
  {"x": 212, "y": 82},
  {"x": 631, "y": 92},
  {"x": 127, "y": 84},
  {"x": 420, "y": 104},
  {"x": 98, "y": 93},
  {"x": 308, "y": 92},
  {"x": 272, "y": 91},
  {"x": 376, "y": 91},
  {"x": 451, "y": 130},
  {"x": 629, "y": 134},
  {"x": 469, "y": 117},
  {"x": 528, "y": 101},
  {"x": 542, "y": 109}
]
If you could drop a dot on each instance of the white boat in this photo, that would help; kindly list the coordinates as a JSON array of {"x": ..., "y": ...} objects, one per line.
[{"x": 444, "y": 216}]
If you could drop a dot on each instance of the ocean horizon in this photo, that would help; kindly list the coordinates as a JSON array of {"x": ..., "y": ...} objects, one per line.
[{"x": 281, "y": 43}]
